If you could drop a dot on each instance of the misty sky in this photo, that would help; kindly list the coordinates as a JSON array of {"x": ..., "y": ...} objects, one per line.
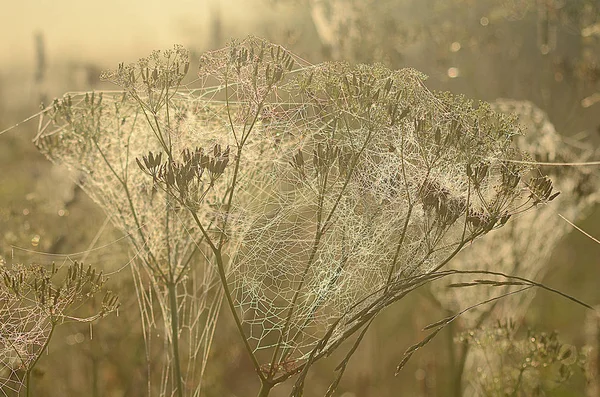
[{"x": 101, "y": 31}]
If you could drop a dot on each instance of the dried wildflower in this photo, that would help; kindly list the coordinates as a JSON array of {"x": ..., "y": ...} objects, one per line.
[
  {"x": 357, "y": 227},
  {"x": 107, "y": 150},
  {"x": 309, "y": 221},
  {"x": 524, "y": 245},
  {"x": 155, "y": 78},
  {"x": 35, "y": 300},
  {"x": 541, "y": 190},
  {"x": 182, "y": 162}
]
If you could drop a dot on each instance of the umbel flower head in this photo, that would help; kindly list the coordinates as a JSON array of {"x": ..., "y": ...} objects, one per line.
[
  {"x": 525, "y": 245},
  {"x": 35, "y": 300},
  {"x": 374, "y": 185},
  {"x": 105, "y": 137},
  {"x": 319, "y": 194}
]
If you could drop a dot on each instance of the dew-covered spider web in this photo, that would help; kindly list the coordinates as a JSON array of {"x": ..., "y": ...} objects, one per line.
[
  {"x": 524, "y": 246},
  {"x": 371, "y": 179},
  {"x": 102, "y": 137},
  {"x": 340, "y": 189},
  {"x": 26, "y": 317},
  {"x": 35, "y": 300},
  {"x": 24, "y": 328}
]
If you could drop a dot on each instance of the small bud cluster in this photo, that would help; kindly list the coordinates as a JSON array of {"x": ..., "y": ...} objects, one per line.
[{"x": 251, "y": 71}]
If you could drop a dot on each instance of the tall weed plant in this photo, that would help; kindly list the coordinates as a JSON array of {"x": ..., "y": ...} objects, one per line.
[{"x": 305, "y": 198}]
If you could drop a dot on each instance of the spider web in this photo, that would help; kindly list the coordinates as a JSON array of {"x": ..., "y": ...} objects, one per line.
[
  {"x": 351, "y": 201},
  {"x": 24, "y": 329},
  {"x": 25, "y": 323},
  {"x": 34, "y": 303},
  {"x": 524, "y": 246},
  {"x": 345, "y": 182},
  {"x": 102, "y": 141}
]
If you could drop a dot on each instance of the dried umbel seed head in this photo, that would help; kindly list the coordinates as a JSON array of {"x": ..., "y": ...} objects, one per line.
[
  {"x": 298, "y": 161},
  {"x": 478, "y": 173},
  {"x": 37, "y": 298},
  {"x": 250, "y": 69},
  {"x": 154, "y": 78},
  {"x": 324, "y": 156},
  {"x": 525, "y": 245},
  {"x": 183, "y": 177},
  {"x": 433, "y": 195},
  {"x": 216, "y": 165},
  {"x": 541, "y": 190}
]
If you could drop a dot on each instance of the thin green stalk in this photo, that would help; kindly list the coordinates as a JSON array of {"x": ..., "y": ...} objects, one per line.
[
  {"x": 321, "y": 228},
  {"x": 175, "y": 337},
  {"x": 460, "y": 369},
  {"x": 366, "y": 313},
  {"x": 518, "y": 385},
  {"x": 315, "y": 247},
  {"x": 30, "y": 369},
  {"x": 236, "y": 171},
  {"x": 229, "y": 109},
  {"x": 123, "y": 183},
  {"x": 408, "y": 213},
  {"x": 322, "y": 297},
  {"x": 217, "y": 248},
  {"x": 228, "y": 297},
  {"x": 196, "y": 248},
  {"x": 94, "y": 358},
  {"x": 347, "y": 181},
  {"x": 341, "y": 368}
]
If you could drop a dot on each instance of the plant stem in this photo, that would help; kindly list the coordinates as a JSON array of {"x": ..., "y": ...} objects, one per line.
[
  {"x": 175, "y": 337},
  {"x": 28, "y": 373},
  {"x": 455, "y": 367},
  {"x": 265, "y": 389},
  {"x": 460, "y": 369},
  {"x": 236, "y": 317}
]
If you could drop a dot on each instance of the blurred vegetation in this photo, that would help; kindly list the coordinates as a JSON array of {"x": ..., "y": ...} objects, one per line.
[{"x": 543, "y": 51}]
